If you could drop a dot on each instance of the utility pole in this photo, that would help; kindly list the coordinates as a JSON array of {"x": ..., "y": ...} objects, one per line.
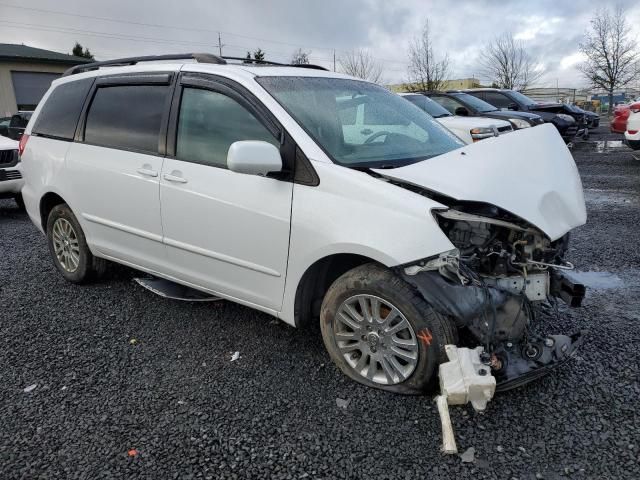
[
  {"x": 334, "y": 59},
  {"x": 220, "y": 45}
]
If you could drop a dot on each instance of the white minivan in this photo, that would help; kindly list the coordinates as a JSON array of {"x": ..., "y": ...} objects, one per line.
[{"x": 246, "y": 181}]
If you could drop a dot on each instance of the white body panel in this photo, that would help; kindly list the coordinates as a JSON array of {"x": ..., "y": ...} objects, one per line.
[
  {"x": 633, "y": 124},
  {"x": 529, "y": 173},
  {"x": 250, "y": 238},
  {"x": 11, "y": 186},
  {"x": 43, "y": 165},
  {"x": 462, "y": 126},
  {"x": 115, "y": 197},
  {"x": 227, "y": 231}
]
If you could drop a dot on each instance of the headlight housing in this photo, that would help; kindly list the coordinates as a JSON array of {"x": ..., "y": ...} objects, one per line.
[
  {"x": 481, "y": 133},
  {"x": 565, "y": 117},
  {"x": 519, "y": 123}
]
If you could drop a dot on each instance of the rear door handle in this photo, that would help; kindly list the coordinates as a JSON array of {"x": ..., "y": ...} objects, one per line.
[
  {"x": 366, "y": 131},
  {"x": 175, "y": 177},
  {"x": 147, "y": 171}
]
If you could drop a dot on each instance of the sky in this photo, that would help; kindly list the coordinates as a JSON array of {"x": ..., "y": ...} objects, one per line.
[{"x": 549, "y": 29}]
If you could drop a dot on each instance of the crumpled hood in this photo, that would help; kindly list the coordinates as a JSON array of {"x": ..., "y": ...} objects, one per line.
[{"x": 529, "y": 173}]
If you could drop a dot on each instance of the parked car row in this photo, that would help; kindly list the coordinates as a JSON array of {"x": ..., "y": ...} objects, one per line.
[
  {"x": 316, "y": 197},
  {"x": 469, "y": 129},
  {"x": 516, "y": 108}
]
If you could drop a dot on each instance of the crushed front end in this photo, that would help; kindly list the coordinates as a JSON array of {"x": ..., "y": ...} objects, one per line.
[{"x": 491, "y": 286}]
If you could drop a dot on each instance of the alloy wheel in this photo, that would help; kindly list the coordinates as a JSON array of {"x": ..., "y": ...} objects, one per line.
[
  {"x": 65, "y": 245},
  {"x": 376, "y": 339}
]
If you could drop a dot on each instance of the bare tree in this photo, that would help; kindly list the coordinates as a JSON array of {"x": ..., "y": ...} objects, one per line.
[
  {"x": 426, "y": 70},
  {"x": 300, "y": 57},
  {"x": 508, "y": 64},
  {"x": 360, "y": 63},
  {"x": 612, "y": 55}
]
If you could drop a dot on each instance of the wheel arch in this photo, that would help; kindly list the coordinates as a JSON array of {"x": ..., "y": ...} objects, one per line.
[
  {"x": 47, "y": 202},
  {"x": 317, "y": 279}
]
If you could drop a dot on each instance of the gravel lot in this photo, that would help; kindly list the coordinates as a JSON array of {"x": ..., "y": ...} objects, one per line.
[{"x": 129, "y": 385}]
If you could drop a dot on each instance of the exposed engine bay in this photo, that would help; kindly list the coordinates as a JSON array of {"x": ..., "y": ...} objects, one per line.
[{"x": 491, "y": 285}]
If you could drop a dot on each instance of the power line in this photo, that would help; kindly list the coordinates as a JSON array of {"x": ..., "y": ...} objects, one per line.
[
  {"x": 191, "y": 29},
  {"x": 128, "y": 37}
]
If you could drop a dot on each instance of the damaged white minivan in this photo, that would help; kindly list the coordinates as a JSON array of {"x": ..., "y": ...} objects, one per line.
[{"x": 247, "y": 182}]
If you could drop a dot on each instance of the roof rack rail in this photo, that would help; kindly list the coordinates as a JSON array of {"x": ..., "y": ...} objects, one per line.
[
  {"x": 199, "y": 57},
  {"x": 276, "y": 64}
]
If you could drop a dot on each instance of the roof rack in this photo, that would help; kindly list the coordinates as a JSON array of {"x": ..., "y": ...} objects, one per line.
[
  {"x": 275, "y": 64},
  {"x": 198, "y": 57}
]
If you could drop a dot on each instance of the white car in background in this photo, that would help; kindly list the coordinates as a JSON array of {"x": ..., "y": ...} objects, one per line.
[
  {"x": 10, "y": 171},
  {"x": 632, "y": 134},
  {"x": 469, "y": 129}
]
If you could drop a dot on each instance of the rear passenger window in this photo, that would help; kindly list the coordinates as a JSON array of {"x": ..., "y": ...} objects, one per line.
[
  {"x": 127, "y": 117},
  {"x": 59, "y": 115},
  {"x": 209, "y": 122}
]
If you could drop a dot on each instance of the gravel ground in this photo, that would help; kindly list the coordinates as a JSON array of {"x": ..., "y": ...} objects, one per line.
[{"x": 129, "y": 385}]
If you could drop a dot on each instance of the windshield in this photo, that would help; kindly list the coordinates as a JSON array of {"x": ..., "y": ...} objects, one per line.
[
  {"x": 523, "y": 99},
  {"x": 475, "y": 103},
  {"x": 359, "y": 124},
  {"x": 428, "y": 105}
]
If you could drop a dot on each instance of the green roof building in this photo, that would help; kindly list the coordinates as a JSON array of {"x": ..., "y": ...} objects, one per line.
[{"x": 26, "y": 73}]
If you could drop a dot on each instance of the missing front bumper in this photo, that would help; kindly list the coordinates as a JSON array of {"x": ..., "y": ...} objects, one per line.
[{"x": 520, "y": 364}]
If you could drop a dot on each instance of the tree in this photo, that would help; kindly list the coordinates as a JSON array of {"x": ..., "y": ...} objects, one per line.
[
  {"x": 360, "y": 63},
  {"x": 612, "y": 55},
  {"x": 426, "y": 70},
  {"x": 78, "y": 51},
  {"x": 300, "y": 57},
  {"x": 508, "y": 64},
  {"x": 256, "y": 55}
]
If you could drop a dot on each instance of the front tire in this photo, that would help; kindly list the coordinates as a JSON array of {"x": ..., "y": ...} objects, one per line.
[
  {"x": 68, "y": 247},
  {"x": 380, "y": 332}
]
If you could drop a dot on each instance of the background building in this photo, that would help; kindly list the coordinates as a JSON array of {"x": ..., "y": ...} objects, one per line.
[
  {"x": 26, "y": 73},
  {"x": 454, "y": 84}
]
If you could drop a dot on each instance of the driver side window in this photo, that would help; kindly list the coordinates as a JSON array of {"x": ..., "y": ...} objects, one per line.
[{"x": 209, "y": 122}]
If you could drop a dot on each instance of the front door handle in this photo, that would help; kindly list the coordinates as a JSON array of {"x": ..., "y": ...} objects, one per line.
[
  {"x": 175, "y": 177},
  {"x": 147, "y": 171}
]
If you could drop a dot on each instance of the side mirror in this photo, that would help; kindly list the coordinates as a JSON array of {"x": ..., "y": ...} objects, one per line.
[
  {"x": 254, "y": 157},
  {"x": 513, "y": 106},
  {"x": 462, "y": 111}
]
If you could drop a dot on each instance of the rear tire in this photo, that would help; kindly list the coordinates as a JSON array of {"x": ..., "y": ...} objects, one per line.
[
  {"x": 68, "y": 247},
  {"x": 380, "y": 332}
]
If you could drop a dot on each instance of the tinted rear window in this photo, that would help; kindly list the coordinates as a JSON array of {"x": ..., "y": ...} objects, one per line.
[
  {"x": 59, "y": 115},
  {"x": 127, "y": 117}
]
